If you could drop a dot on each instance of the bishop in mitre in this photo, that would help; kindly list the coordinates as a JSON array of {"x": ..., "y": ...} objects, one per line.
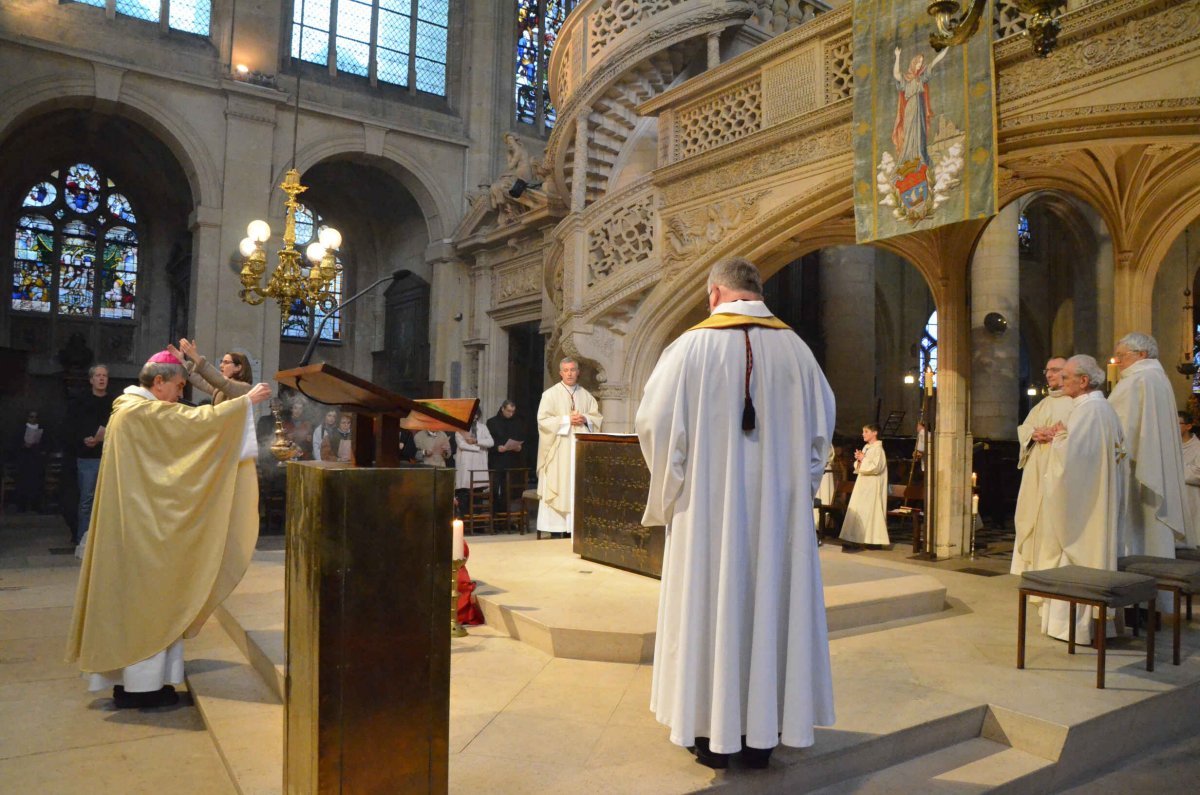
[
  {"x": 1035, "y": 435},
  {"x": 565, "y": 410},
  {"x": 173, "y": 528},
  {"x": 1084, "y": 492},
  {"x": 1145, "y": 403}
]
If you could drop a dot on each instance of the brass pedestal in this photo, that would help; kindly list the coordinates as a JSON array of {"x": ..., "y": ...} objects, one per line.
[{"x": 368, "y": 643}]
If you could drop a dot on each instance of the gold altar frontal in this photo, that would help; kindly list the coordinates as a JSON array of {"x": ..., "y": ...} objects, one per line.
[
  {"x": 611, "y": 484},
  {"x": 368, "y": 634}
]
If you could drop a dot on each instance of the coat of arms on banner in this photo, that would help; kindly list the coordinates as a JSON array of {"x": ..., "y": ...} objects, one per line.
[{"x": 924, "y": 139}]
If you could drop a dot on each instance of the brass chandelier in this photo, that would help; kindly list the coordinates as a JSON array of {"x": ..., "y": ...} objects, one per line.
[
  {"x": 289, "y": 283},
  {"x": 955, "y": 25}
]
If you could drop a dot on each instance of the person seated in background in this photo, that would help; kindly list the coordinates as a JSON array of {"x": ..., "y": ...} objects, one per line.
[
  {"x": 328, "y": 425},
  {"x": 298, "y": 430},
  {"x": 433, "y": 448},
  {"x": 337, "y": 445}
]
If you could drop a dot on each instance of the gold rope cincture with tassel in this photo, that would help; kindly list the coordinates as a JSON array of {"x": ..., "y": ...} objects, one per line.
[{"x": 726, "y": 320}]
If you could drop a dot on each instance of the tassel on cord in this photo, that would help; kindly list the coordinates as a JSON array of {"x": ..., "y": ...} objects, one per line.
[{"x": 748, "y": 416}]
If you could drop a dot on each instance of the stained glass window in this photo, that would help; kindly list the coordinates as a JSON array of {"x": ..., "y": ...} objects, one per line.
[
  {"x": 189, "y": 16},
  {"x": 300, "y": 320},
  {"x": 1024, "y": 238},
  {"x": 410, "y": 39},
  {"x": 538, "y": 23},
  {"x": 80, "y": 258},
  {"x": 929, "y": 348}
]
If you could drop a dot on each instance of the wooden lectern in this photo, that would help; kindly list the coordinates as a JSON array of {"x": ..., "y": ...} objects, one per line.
[{"x": 367, "y": 702}]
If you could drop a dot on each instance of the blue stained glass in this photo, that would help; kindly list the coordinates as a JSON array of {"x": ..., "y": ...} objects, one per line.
[
  {"x": 190, "y": 16},
  {"x": 538, "y": 23},
  {"x": 929, "y": 358},
  {"x": 77, "y": 268},
  {"x": 41, "y": 195},
  {"x": 148, "y": 10},
  {"x": 299, "y": 321},
  {"x": 1024, "y": 236},
  {"x": 33, "y": 272},
  {"x": 118, "y": 274},
  {"x": 83, "y": 188},
  {"x": 295, "y": 323},
  {"x": 304, "y": 226},
  {"x": 118, "y": 205}
]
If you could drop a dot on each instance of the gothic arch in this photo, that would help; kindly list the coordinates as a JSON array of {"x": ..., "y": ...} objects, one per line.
[{"x": 39, "y": 97}]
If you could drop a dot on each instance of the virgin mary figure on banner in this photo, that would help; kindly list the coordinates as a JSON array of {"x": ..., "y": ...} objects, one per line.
[{"x": 910, "y": 135}]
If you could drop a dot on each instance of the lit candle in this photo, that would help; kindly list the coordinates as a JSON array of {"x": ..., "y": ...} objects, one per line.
[
  {"x": 1113, "y": 374},
  {"x": 974, "y": 480},
  {"x": 929, "y": 381},
  {"x": 458, "y": 553},
  {"x": 975, "y": 505}
]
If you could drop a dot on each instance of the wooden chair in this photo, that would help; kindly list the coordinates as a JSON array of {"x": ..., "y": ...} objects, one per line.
[
  {"x": 478, "y": 515},
  {"x": 514, "y": 513},
  {"x": 841, "y": 498},
  {"x": 910, "y": 504}
]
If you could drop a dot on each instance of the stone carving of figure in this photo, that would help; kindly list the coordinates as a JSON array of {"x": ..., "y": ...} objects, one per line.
[{"x": 518, "y": 166}]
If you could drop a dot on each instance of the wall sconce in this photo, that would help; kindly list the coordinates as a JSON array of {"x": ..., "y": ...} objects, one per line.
[{"x": 910, "y": 378}]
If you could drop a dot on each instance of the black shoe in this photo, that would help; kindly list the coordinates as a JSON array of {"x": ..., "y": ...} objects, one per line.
[
  {"x": 708, "y": 758},
  {"x": 851, "y": 548},
  {"x": 163, "y": 697},
  {"x": 758, "y": 758}
]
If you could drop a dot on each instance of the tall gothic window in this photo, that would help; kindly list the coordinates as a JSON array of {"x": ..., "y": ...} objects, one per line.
[
  {"x": 300, "y": 320},
  {"x": 538, "y": 22},
  {"x": 76, "y": 247},
  {"x": 1024, "y": 236},
  {"x": 189, "y": 16},
  {"x": 398, "y": 42},
  {"x": 929, "y": 359}
]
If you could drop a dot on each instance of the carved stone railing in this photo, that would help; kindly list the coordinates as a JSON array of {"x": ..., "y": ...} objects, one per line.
[{"x": 622, "y": 240}]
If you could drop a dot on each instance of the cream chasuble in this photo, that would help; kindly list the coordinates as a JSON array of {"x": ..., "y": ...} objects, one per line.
[
  {"x": 1035, "y": 457},
  {"x": 742, "y": 646},
  {"x": 1191, "y": 479},
  {"x": 556, "y": 453},
  {"x": 866, "y": 515},
  {"x": 1145, "y": 403},
  {"x": 1084, "y": 494},
  {"x": 173, "y": 528}
]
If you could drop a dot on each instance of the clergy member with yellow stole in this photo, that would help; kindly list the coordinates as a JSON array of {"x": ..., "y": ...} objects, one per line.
[
  {"x": 735, "y": 425},
  {"x": 173, "y": 527},
  {"x": 565, "y": 410}
]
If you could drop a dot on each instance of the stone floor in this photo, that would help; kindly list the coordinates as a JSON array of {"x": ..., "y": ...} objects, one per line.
[{"x": 924, "y": 704}]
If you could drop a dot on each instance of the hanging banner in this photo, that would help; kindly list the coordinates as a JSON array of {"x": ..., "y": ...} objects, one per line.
[{"x": 924, "y": 123}]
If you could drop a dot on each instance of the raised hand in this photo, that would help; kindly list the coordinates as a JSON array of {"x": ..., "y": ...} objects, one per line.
[{"x": 259, "y": 393}]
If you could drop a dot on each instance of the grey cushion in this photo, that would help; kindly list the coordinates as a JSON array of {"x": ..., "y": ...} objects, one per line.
[
  {"x": 1187, "y": 553},
  {"x": 1184, "y": 574},
  {"x": 1113, "y": 588}
]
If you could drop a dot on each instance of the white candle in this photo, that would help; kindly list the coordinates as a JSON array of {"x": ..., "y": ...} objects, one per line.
[
  {"x": 457, "y": 553},
  {"x": 974, "y": 480},
  {"x": 975, "y": 505}
]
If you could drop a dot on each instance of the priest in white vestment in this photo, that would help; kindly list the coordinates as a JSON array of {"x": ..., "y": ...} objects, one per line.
[
  {"x": 1145, "y": 403},
  {"x": 172, "y": 532},
  {"x": 735, "y": 425},
  {"x": 1035, "y": 435},
  {"x": 565, "y": 410},
  {"x": 1085, "y": 490},
  {"x": 866, "y": 514},
  {"x": 1191, "y": 479}
]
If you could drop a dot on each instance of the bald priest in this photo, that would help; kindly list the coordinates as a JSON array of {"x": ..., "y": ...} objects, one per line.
[{"x": 173, "y": 527}]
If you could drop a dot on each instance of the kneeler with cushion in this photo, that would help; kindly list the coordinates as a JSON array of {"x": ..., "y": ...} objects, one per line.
[
  {"x": 1080, "y": 585},
  {"x": 1180, "y": 577}
]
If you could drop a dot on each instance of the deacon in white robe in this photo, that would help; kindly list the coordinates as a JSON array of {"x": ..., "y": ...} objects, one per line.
[
  {"x": 1191, "y": 480},
  {"x": 1085, "y": 484},
  {"x": 742, "y": 645},
  {"x": 565, "y": 410},
  {"x": 1035, "y": 435},
  {"x": 866, "y": 514},
  {"x": 1145, "y": 403}
]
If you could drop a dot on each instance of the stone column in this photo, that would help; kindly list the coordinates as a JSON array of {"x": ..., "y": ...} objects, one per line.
[
  {"x": 995, "y": 368},
  {"x": 848, "y": 328},
  {"x": 954, "y": 439},
  {"x": 714, "y": 49},
  {"x": 579, "y": 173},
  {"x": 449, "y": 282}
]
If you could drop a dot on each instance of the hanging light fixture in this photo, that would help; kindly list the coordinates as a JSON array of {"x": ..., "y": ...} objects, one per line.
[
  {"x": 955, "y": 24},
  {"x": 289, "y": 282}
]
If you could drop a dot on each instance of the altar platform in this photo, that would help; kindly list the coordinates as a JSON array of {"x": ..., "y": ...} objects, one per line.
[{"x": 926, "y": 700}]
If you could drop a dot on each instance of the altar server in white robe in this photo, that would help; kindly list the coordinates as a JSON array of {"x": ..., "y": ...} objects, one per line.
[
  {"x": 1085, "y": 491},
  {"x": 1035, "y": 435},
  {"x": 735, "y": 425},
  {"x": 565, "y": 410},
  {"x": 1191, "y": 478},
  {"x": 1145, "y": 403},
  {"x": 866, "y": 514}
]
